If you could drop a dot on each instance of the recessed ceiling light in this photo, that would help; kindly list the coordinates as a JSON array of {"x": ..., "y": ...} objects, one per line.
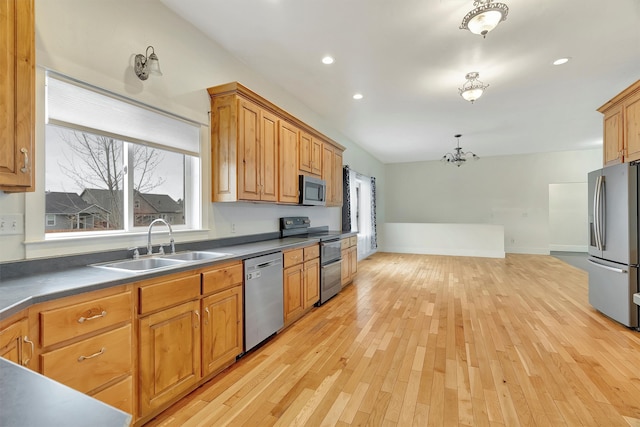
[
  {"x": 327, "y": 60},
  {"x": 561, "y": 61},
  {"x": 357, "y": 96}
]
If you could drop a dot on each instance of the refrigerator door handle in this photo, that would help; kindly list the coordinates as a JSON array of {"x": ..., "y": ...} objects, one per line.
[
  {"x": 606, "y": 267},
  {"x": 597, "y": 210}
]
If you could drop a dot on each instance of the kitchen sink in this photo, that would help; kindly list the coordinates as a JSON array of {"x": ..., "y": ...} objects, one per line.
[
  {"x": 144, "y": 265},
  {"x": 195, "y": 256},
  {"x": 140, "y": 265}
]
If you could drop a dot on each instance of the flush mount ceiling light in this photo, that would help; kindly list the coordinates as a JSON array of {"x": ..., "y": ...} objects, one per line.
[
  {"x": 485, "y": 17},
  {"x": 561, "y": 61},
  {"x": 358, "y": 96},
  {"x": 473, "y": 88},
  {"x": 147, "y": 64},
  {"x": 327, "y": 60},
  {"x": 459, "y": 157}
]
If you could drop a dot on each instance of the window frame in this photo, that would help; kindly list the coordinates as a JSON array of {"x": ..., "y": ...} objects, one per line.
[{"x": 37, "y": 245}]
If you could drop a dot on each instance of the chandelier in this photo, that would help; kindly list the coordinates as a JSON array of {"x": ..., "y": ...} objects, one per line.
[
  {"x": 458, "y": 157},
  {"x": 473, "y": 88},
  {"x": 485, "y": 17}
]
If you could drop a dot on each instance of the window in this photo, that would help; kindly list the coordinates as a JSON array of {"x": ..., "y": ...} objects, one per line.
[{"x": 112, "y": 165}]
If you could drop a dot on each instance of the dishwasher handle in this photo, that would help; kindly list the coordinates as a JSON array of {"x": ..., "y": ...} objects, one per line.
[{"x": 267, "y": 264}]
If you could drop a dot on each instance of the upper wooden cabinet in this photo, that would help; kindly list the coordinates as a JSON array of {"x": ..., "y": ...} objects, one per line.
[
  {"x": 310, "y": 154},
  {"x": 622, "y": 126},
  {"x": 332, "y": 173},
  {"x": 258, "y": 150},
  {"x": 17, "y": 98},
  {"x": 288, "y": 163}
]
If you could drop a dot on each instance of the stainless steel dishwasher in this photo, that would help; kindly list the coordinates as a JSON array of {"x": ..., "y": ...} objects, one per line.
[{"x": 263, "y": 298}]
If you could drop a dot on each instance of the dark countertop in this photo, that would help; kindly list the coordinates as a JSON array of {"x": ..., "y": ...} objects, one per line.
[
  {"x": 19, "y": 293},
  {"x": 29, "y": 399}
]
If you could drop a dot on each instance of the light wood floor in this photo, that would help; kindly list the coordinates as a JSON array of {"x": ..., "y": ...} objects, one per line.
[{"x": 437, "y": 341}]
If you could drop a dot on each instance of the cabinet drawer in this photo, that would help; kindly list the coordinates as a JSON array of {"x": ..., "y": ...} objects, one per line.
[
  {"x": 293, "y": 257},
  {"x": 311, "y": 252},
  {"x": 168, "y": 293},
  {"x": 68, "y": 322},
  {"x": 119, "y": 395},
  {"x": 344, "y": 243},
  {"x": 92, "y": 362},
  {"x": 353, "y": 240},
  {"x": 220, "y": 278}
]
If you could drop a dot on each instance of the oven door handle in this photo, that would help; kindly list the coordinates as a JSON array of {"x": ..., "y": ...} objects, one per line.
[{"x": 332, "y": 263}]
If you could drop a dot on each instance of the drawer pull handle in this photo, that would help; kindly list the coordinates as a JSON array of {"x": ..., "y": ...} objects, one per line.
[
  {"x": 97, "y": 316},
  {"x": 26, "y": 361},
  {"x": 102, "y": 350}
]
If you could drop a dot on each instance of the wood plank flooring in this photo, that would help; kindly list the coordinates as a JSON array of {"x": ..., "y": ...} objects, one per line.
[{"x": 436, "y": 341}]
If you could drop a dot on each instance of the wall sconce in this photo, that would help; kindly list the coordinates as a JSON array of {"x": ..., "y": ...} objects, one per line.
[{"x": 147, "y": 64}]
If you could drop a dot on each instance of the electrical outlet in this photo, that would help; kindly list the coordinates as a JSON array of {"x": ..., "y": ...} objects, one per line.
[
  {"x": 11, "y": 224},
  {"x": 233, "y": 227}
]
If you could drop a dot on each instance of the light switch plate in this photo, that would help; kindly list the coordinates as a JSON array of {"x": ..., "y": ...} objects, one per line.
[{"x": 11, "y": 224}]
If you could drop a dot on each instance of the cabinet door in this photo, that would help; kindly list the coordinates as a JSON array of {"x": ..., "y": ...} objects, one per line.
[
  {"x": 288, "y": 163},
  {"x": 337, "y": 178},
  {"x": 248, "y": 151},
  {"x": 17, "y": 100},
  {"x": 293, "y": 293},
  {"x": 613, "y": 138},
  {"x": 316, "y": 156},
  {"x": 632, "y": 130},
  {"x": 353, "y": 261},
  {"x": 169, "y": 350},
  {"x": 268, "y": 157},
  {"x": 221, "y": 329},
  {"x": 344, "y": 267},
  {"x": 14, "y": 343},
  {"x": 327, "y": 171},
  {"x": 311, "y": 282},
  {"x": 304, "y": 152}
]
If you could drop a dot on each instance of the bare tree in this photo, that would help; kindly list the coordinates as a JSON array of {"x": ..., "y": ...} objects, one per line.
[{"x": 97, "y": 162}]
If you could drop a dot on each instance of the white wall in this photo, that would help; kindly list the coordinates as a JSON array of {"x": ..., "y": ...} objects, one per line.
[
  {"x": 95, "y": 41},
  {"x": 568, "y": 217},
  {"x": 512, "y": 191}
]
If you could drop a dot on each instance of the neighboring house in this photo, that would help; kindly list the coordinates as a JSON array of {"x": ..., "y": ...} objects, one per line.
[
  {"x": 69, "y": 212},
  {"x": 147, "y": 207}
]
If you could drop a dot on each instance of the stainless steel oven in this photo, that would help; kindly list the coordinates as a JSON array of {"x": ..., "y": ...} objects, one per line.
[{"x": 330, "y": 269}]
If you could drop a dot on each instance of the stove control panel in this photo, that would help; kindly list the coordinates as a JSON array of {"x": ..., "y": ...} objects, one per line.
[{"x": 289, "y": 222}]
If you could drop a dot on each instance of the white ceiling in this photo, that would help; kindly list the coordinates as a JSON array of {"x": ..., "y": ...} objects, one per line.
[{"x": 409, "y": 58}]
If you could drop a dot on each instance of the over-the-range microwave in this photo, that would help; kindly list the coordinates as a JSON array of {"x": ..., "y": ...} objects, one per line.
[{"x": 313, "y": 191}]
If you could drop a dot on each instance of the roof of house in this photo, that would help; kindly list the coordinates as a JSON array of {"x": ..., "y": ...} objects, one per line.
[
  {"x": 61, "y": 203},
  {"x": 101, "y": 197},
  {"x": 161, "y": 202}
]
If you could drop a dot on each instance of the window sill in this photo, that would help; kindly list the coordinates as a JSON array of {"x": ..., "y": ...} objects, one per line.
[{"x": 74, "y": 245}]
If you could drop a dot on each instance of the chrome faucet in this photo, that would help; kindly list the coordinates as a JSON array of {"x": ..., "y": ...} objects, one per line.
[{"x": 171, "y": 241}]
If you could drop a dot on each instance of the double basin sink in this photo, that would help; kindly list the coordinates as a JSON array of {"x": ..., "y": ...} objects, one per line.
[{"x": 145, "y": 265}]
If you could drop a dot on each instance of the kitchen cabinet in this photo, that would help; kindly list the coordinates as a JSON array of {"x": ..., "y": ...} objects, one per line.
[
  {"x": 288, "y": 148},
  {"x": 86, "y": 343},
  {"x": 244, "y": 151},
  {"x": 258, "y": 150},
  {"x": 222, "y": 321},
  {"x": 301, "y": 280},
  {"x": 15, "y": 344},
  {"x": 310, "y": 154},
  {"x": 332, "y": 173},
  {"x": 169, "y": 340},
  {"x": 621, "y": 127},
  {"x": 17, "y": 101},
  {"x": 349, "y": 250}
]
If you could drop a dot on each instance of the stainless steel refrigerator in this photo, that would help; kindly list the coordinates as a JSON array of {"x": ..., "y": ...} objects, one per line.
[{"x": 613, "y": 242}]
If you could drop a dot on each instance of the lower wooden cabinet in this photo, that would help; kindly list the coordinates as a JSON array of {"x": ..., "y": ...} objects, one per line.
[
  {"x": 169, "y": 354},
  {"x": 222, "y": 329},
  {"x": 349, "y": 259},
  {"x": 293, "y": 293},
  {"x": 301, "y": 281},
  {"x": 15, "y": 344},
  {"x": 118, "y": 395}
]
